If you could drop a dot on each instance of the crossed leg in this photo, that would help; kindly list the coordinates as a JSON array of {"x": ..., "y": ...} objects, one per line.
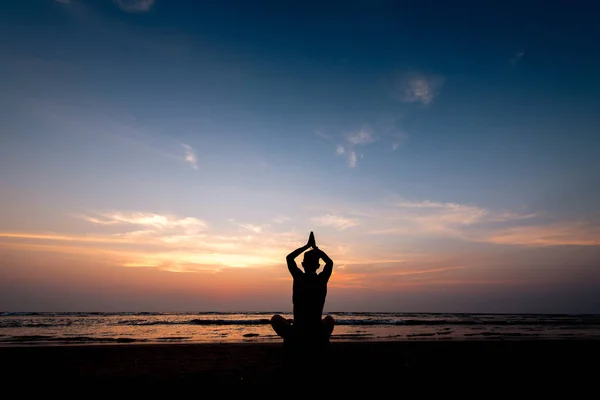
[{"x": 283, "y": 327}]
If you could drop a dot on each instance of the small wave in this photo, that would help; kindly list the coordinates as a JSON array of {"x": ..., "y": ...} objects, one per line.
[
  {"x": 9, "y": 313},
  {"x": 66, "y": 340},
  {"x": 352, "y": 336},
  {"x": 261, "y": 321},
  {"x": 420, "y": 334},
  {"x": 173, "y": 339},
  {"x": 38, "y": 321},
  {"x": 495, "y": 322},
  {"x": 33, "y": 324}
]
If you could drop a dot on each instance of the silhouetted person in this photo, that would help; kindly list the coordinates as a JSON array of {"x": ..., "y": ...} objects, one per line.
[{"x": 307, "y": 331}]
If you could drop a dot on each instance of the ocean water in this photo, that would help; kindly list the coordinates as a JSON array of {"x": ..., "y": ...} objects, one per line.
[{"x": 34, "y": 329}]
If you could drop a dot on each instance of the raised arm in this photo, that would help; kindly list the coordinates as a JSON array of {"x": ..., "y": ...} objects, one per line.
[
  {"x": 328, "y": 268},
  {"x": 291, "y": 260}
]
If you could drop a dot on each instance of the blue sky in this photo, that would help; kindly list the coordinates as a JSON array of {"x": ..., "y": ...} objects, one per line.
[{"x": 446, "y": 155}]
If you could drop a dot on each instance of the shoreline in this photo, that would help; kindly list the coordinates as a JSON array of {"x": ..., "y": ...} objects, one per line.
[
  {"x": 364, "y": 364},
  {"x": 418, "y": 339}
]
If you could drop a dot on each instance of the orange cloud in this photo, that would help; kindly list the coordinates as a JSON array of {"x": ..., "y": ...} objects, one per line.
[
  {"x": 575, "y": 234},
  {"x": 67, "y": 238},
  {"x": 163, "y": 242}
]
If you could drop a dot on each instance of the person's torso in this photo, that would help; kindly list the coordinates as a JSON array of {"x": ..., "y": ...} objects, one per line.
[{"x": 308, "y": 298}]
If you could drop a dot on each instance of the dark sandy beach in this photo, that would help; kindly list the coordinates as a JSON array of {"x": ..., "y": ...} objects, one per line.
[{"x": 542, "y": 366}]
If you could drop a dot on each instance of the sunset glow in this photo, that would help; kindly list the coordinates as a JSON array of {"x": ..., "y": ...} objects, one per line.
[{"x": 167, "y": 156}]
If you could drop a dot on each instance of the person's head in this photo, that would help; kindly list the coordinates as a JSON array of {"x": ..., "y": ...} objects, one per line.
[{"x": 311, "y": 261}]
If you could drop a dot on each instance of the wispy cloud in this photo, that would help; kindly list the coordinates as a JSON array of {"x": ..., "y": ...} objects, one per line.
[
  {"x": 107, "y": 122},
  {"x": 280, "y": 219},
  {"x": 167, "y": 242},
  {"x": 391, "y": 130},
  {"x": 134, "y": 6},
  {"x": 557, "y": 234},
  {"x": 55, "y": 237},
  {"x": 419, "y": 88},
  {"x": 152, "y": 221},
  {"x": 322, "y": 135},
  {"x": 397, "y": 136},
  {"x": 347, "y": 145},
  {"x": 254, "y": 228},
  {"x": 352, "y": 158},
  {"x": 426, "y": 271},
  {"x": 361, "y": 137},
  {"x": 472, "y": 223},
  {"x": 517, "y": 57},
  {"x": 397, "y": 140},
  {"x": 411, "y": 270},
  {"x": 370, "y": 257},
  {"x": 190, "y": 156},
  {"x": 427, "y": 218},
  {"x": 336, "y": 221},
  {"x": 443, "y": 213},
  {"x": 414, "y": 219}
]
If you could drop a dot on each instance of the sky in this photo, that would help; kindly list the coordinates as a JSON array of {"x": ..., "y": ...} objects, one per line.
[{"x": 166, "y": 155}]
